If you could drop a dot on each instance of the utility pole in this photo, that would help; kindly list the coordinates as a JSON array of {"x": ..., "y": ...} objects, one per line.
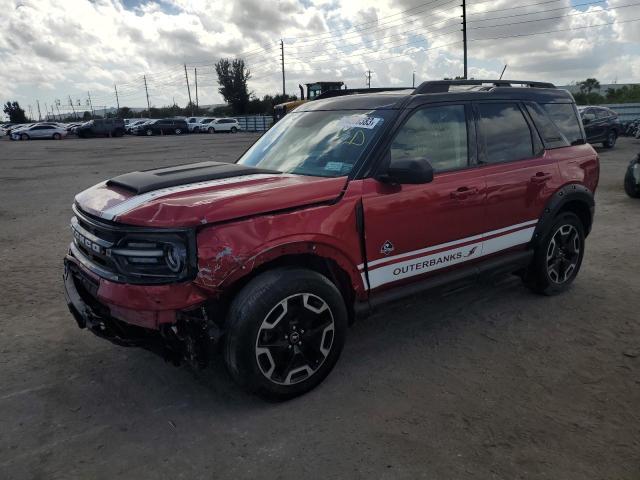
[
  {"x": 368, "y": 75},
  {"x": 413, "y": 81},
  {"x": 195, "y": 73},
  {"x": 117, "y": 99},
  {"x": 73, "y": 109},
  {"x": 46, "y": 111},
  {"x": 186, "y": 76},
  {"x": 144, "y": 77},
  {"x": 58, "y": 109},
  {"x": 39, "y": 114},
  {"x": 93, "y": 114},
  {"x": 30, "y": 113},
  {"x": 464, "y": 35},
  {"x": 284, "y": 90}
]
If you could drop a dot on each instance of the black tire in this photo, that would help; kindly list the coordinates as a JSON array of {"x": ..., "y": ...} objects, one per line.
[
  {"x": 276, "y": 307},
  {"x": 178, "y": 131},
  {"x": 212, "y": 130},
  {"x": 554, "y": 268},
  {"x": 118, "y": 133},
  {"x": 24, "y": 136},
  {"x": 610, "y": 142},
  {"x": 57, "y": 136},
  {"x": 631, "y": 186},
  {"x": 234, "y": 129},
  {"x": 149, "y": 133},
  {"x": 196, "y": 130}
]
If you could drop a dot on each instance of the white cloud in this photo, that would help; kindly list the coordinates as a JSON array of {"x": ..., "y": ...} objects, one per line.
[{"x": 51, "y": 49}]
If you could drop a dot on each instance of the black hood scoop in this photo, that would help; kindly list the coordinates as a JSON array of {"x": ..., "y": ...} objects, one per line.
[{"x": 148, "y": 180}]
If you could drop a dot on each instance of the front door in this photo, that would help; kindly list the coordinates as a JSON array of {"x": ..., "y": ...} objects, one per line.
[{"x": 415, "y": 230}]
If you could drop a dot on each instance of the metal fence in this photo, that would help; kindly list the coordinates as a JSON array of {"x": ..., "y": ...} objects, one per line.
[
  {"x": 625, "y": 111},
  {"x": 255, "y": 123}
]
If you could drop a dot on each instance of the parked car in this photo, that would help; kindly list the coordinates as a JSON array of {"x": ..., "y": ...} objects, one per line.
[
  {"x": 165, "y": 126},
  {"x": 272, "y": 257},
  {"x": 223, "y": 125},
  {"x": 131, "y": 126},
  {"x": 601, "y": 125},
  {"x": 632, "y": 178},
  {"x": 39, "y": 131},
  {"x": 103, "y": 127},
  {"x": 200, "y": 124}
]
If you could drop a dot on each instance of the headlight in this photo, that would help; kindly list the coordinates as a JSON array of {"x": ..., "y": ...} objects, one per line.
[{"x": 160, "y": 256}]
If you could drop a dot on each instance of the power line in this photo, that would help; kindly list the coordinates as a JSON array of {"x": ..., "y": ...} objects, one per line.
[
  {"x": 554, "y": 31},
  {"x": 534, "y": 13}
]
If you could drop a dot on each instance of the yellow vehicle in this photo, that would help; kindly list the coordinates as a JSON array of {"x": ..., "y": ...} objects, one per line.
[{"x": 314, "y": 90}]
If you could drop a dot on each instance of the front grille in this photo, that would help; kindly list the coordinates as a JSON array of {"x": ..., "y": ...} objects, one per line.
[{"x": 129, "y": 254}]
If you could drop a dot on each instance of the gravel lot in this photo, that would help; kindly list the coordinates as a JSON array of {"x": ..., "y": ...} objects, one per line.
[{"x": 489, "y": 382}]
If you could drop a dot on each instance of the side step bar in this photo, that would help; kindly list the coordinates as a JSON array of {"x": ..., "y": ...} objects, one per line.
[{"x": 507, "y": 263}]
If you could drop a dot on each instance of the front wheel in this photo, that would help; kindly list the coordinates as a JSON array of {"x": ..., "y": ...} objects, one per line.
[
  {"x": 610, "y": 142},
  {"x": 558, "y": 257},
  {"x": 57, "y": 136},
  {"x": 149, "y": 133},
  {"x": 212, "y": 130},
  {"x": 24, "y": 136},
  {"x": 178, "y": 131},
  {"x": 285, "y": 331},
  {"x": 234, "y": 129}
]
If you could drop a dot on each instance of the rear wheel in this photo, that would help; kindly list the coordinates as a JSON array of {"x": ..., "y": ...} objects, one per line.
[
  {"x": 178, "y": 131},
  {"x": 610, "y": 142},
  {"x": 212, "y": 130},
  {"x": 632, "y": 180},
  {"x": 558, "y": 257},
  {"x": 149, "y": 133},
  {"x": 57, "y": 136},
  {"x": 234, "y": 129},
  {"x": 24, "y": 136},
  {"x": 286, "y": 329}
]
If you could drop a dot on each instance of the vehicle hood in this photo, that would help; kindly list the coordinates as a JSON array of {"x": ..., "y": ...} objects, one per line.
[{"x": 182, "y": 196}]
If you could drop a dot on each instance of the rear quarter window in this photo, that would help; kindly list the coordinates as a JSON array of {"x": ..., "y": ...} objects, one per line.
[
  {"x": 565, "y": 118},
  {"x": 550, "y": 134}
]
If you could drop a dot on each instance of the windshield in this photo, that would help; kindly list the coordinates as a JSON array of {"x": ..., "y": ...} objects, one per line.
[{"x": 319, "y": 143}]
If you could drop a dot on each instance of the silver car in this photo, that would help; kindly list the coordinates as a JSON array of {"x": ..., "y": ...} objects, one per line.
[{"x": 56, "y": 132}]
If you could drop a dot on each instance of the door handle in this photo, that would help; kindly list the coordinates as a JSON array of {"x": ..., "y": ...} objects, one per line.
[
  {"x": 464, "y": 192},
  {"x": 541, "y": 177}
]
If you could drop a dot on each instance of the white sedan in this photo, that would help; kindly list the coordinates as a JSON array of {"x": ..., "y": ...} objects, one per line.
[{"x": 56, "y": 132}]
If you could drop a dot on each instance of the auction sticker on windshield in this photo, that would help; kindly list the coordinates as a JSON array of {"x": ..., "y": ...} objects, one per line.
[{"x": 360, "y": 121}]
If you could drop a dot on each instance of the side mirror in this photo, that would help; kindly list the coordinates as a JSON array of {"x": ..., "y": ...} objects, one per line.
[{"x": 409, "y": 171}]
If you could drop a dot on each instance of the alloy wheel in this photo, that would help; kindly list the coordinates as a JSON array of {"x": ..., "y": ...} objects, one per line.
[
  {"x": 294, "y": 339},
  {"x": 563, "y": 253}
]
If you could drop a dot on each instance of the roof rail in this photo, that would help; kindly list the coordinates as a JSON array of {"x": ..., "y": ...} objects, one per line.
[
  {"x": 352, "y": 91},
  {"x": 442, "y": 86}
]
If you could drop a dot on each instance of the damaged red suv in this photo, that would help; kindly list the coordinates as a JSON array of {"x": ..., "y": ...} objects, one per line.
[{"x": 348, "y": 202}]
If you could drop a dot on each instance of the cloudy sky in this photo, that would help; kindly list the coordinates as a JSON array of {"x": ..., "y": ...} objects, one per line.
[{"x": 53, "y": 50}]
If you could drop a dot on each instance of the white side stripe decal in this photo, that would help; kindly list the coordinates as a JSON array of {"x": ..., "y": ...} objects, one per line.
[
  {"x": 448, "y": 244},
  {"x": 139, "y": 200},
  {"x": 418, "y": 266}
]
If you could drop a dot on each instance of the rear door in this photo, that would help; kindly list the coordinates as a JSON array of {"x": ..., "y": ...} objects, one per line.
[
  {"x": 520, "y": 175},
  {"x": 413, "y": 231}
]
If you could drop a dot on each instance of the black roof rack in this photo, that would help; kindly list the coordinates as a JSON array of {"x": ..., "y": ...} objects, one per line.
[
  {"x": 442, "y": 86},
  {"x": 352, "y": 91}
]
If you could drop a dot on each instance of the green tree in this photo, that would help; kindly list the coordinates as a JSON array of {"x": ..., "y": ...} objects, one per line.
[
  {"x": 232, "y": 78},
  {"x": 588, "y": 85},
  {"x": 15, "y": 112}
]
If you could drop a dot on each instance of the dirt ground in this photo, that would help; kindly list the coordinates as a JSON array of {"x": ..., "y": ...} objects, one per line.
[{"x": 491, "y": 382}]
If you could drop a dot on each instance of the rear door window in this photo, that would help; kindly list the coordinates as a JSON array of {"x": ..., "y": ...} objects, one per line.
[
  {"x": 504, "y": 132},
  {"x": 566, "y": 119}
]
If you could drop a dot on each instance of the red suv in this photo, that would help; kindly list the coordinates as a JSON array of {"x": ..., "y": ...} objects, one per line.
[{"x": 347, "y": 203}]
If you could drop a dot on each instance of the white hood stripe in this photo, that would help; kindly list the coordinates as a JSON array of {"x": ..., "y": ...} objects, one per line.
[{"x": 139, "y": 200}]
